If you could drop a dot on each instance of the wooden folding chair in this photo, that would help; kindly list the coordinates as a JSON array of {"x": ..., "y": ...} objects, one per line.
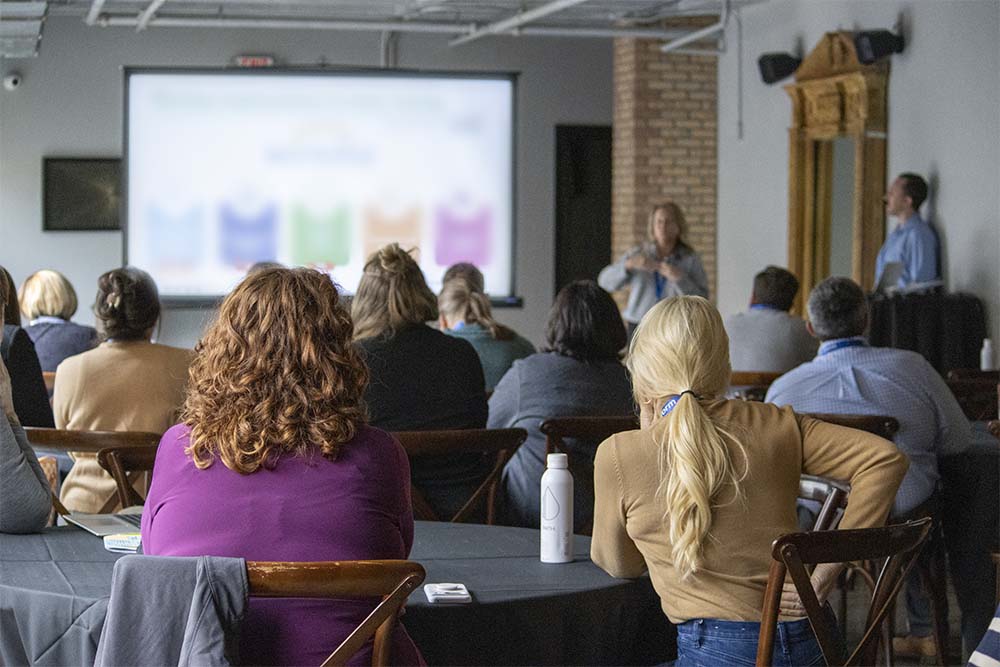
[
  {"x": 592, "y": 429},
  {"x": 977, "y": 397},
  {"x": 88, "y": 442},
  {"x": 499, "y": 442},
  {"x": 897, "y": 545},
  {"x": 830, "y": 493},
  {"x": 752, "y": 385},
  {"x": 119, "y": 462},
  {"x": 880, "y": 425},
  {"x": 390, "y": 580},
  {"x": 973, "y": 374}
]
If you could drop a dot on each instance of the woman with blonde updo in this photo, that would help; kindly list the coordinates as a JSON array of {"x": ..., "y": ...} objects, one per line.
[
  {"x": 48, "y": 301},
  {"x": 273, "y": 461},
  {"x": 127, "y": 383},
  {"x": 465, "y": 313},
  {"x": 421, "y": 379},
  {"x": 702, "y": 489}
]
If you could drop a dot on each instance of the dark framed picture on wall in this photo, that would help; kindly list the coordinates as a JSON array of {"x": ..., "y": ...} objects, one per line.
[{"x": 81, "y": 194}]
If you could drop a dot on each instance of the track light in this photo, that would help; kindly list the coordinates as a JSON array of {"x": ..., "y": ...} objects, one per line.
[
  {"x": 776, "y": 66},
  {"x": 873, "y": 45}
]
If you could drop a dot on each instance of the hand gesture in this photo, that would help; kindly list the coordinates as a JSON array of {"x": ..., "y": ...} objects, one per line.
[
  {"x": 641, "y": 262},
  {"x": 670, "y": 272}
]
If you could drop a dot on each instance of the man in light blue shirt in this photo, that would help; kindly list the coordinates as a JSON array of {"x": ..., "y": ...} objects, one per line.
[
  {"x": 849, "y": 377},
  {"x": 913, "y": 243}
]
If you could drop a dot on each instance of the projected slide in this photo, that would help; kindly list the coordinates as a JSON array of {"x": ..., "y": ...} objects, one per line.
[{"x": 225, "y": 169}]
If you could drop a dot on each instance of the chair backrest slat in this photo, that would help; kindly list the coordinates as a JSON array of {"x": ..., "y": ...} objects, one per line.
[
  {"x": 558, "y": 429},
  {"x": 390, "y": 580},
  {"x": 88, "y": 441},
  {"x": 120, "y": 461}
]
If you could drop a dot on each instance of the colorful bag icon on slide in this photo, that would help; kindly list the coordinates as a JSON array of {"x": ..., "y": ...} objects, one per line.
[
  {"x": 463, "y": 237},
  {"x": 175, "y": 237},
  {"x": 248, "y": 238},
  {"x": 320, "y": 238},
  {"x": 382, "y": 229}
]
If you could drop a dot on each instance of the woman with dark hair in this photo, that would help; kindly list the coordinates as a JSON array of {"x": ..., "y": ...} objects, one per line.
[
  {"x": 31, "y": 398},
  {"x": 273, "y": 439},
  {"x": 127, "y": 383},
  {"x": 421, "y": 379},
  {"x": 664, "y": 265},
  {"x": 465, "y": 313},
  {"x": 578, "y": 374}
]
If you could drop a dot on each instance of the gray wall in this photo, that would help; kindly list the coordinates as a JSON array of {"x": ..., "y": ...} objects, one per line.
[
  {"x": 944, "y": 97},
  {"x": 71, "y": 104}
]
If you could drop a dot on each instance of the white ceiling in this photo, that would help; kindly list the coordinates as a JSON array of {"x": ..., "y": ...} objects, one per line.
[{"x": 459, "y": 21}]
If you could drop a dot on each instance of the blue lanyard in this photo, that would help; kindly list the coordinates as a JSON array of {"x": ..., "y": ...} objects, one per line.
[
  {"x": 828, "y": 347},
  {"x": 661, "y": 282},
  {"x": 673, "y": 400},
  {"x": 763, "y": 306},
  {"x": 458, "y": 326}
]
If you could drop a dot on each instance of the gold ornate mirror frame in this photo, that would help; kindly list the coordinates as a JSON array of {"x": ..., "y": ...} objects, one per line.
[{"x": 834, "y": 95}]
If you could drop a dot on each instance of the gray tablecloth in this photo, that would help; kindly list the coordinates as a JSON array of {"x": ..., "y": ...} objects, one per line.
[{"x": 54, "y": 588}]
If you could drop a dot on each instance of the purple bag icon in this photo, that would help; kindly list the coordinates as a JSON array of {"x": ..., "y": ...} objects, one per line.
[{"x": 463, "y": 238}]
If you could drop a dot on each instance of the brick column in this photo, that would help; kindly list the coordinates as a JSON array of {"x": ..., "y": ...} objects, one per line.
[{"x": 665, "y": 119}]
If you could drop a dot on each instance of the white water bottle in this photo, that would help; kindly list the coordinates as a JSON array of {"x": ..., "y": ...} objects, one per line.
[
  {"x": 986, "y": 356},
  {"x": 557, "y": 511}
]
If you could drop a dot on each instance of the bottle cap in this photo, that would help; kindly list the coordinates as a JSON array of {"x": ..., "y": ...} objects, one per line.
[{"x": 558, "y": 461}]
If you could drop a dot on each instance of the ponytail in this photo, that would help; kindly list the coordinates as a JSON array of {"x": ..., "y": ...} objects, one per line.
[
  {"x": 460, "y": 300},
  {"x": 681, "y": 348}
]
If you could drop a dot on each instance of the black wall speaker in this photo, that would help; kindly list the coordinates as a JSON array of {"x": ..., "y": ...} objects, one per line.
[{"x": 776, "y": 66}]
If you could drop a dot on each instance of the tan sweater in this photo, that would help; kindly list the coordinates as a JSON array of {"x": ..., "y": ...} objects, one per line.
[
  {"x": 119, "y": 386},
  {"x": 629, "y": 526}
]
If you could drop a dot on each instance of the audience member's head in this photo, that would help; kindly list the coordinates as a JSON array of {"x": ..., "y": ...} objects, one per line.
[
  {"x": 276, "y": 373},
  {"x": 392, "y": 294},
  {"x": 11, "y": 310},
  {"x": 47, "y": 293},
  {"x": 775, "y": 287},
  {"x": 461, "y": 302},
  {"x": 837, "y": 309},
  {"x": 906, "y": 194},
  {"x": 667, "y": 224},
  {"x": 127, "y": 304},
  {"x": 680, "y": 349},
  {"x": 263, "y": 265},
  {"x": 470, "y": 272},
  {"x": 584, "y": 323}
]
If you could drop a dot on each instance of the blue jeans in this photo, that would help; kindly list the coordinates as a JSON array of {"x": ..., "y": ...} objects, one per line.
[{"x": 705, "y": 642}]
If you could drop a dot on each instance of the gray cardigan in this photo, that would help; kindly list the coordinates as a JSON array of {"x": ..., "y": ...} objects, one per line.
[
  {"x": 642, "y": 284},
  {"x": 25, "y": 497}
]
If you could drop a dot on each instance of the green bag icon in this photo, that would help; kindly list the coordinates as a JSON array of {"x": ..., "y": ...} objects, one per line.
[{"x": 320, "y": 238}]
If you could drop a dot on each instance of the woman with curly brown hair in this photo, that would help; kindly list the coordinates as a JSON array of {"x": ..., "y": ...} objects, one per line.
[{"x": 273, "y": 460}]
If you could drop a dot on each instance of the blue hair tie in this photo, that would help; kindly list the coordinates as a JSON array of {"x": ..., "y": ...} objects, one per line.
[{"x": 674, "y": 400}]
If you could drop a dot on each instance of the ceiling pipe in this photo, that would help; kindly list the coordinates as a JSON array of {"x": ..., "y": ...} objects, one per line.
[
  {"x": 516, "y": 21},
  {"x": 290, "y": 24},
  {"x": 700, "y": 34},
  {"x": 147, "y": 15},
  {"x": 95, "y": 10}
]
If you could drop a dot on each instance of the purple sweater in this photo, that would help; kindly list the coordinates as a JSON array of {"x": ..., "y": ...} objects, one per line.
[{"x": 306, "y": 509}]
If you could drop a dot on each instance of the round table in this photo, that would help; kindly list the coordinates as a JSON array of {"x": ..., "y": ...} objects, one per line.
[{"x": 54, "y": 588}]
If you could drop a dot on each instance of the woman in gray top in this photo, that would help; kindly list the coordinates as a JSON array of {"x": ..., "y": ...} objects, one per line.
[
  {"x": 665, "y": 265},
  {"x": 25, "y": 499},
  {"x": 579, "y": 374}
]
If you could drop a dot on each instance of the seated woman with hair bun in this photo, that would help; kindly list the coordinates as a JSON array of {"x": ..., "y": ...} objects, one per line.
[
  {"x": 700, "y": 492},
  {"x": 273, "y": 461},
  {"x": 127, "y": 383},
  {"x": 465, "y": 313},
  {"x": 421, "y": 379}
]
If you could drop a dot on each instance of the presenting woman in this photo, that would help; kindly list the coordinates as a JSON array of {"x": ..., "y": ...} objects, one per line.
[
  {"x": 665, "y": 265},
  {"x": 273, "y": 461},
  {"x": 700, "y": 492}
]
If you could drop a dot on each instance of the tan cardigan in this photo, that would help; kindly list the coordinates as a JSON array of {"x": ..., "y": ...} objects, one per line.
[
  {"x": 629, "y": 525},
  {"x": 118, "y": 386}
]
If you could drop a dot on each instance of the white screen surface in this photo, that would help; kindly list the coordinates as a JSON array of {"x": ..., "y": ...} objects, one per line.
[{"x": 228, "y": 169}]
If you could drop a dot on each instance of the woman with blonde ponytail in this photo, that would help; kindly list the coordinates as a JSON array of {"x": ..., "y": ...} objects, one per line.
[
  {"x": 464, "y": 312},
  {"x": 698, "y": 494}
]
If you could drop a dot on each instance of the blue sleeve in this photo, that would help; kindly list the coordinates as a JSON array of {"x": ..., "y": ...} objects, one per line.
[{"x": 922, "y": 257}]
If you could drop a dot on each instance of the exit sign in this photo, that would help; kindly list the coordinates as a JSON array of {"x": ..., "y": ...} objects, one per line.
[{"x": 253, "y": 61}]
